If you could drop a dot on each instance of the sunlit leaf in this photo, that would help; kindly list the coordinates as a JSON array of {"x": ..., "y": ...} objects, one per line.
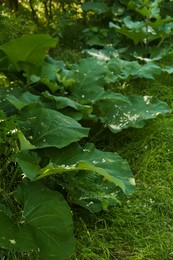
[{"x": 30, "y": 49}]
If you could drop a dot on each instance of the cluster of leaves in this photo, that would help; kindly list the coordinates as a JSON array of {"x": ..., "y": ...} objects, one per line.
[
  {"x": 133, "y": 39},
  {"x": 53, "y": 107},
  {"x": 150, "y": 27},
  {"x": 139, "y": 21}
]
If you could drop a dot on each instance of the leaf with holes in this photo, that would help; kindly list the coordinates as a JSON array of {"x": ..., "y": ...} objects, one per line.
[
  {"x": 44, "y": 127},
  {"x": 112, "y": 173},
  {"x": 133, "y": 111},
  {"x": 89, "y": 76}
]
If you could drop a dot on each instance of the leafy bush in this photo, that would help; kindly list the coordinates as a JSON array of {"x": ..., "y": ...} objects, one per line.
[
  {"x": 136, "y": 24},
  {"x": 55, "y": 107}
]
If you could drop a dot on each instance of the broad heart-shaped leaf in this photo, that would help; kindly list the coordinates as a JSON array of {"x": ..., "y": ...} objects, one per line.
[
  {"x": 111, "y": 172},
  {"x": 29, "y": 49},
  {"x": 89, "y": 75},
  {"x": 49, "y": 128},
  {"x": 131, "y": 111},
  {"x": 45, "y": 226},
  {"x": 100, "y": 177}
]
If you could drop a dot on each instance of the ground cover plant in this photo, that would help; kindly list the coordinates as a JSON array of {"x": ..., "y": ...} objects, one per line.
[{"x": 65, "y": 129}]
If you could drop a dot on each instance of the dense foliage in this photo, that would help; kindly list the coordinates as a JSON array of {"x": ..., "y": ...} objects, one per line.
[{"x": 50, "y": 110}]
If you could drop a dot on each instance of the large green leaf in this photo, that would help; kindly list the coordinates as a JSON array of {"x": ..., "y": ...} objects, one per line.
[
  {"x": 132, "y": 111},
  {"x": 110, "y": 165},
  {"x": 45, "y": 225},
  {"x": 15, "y": 236},
  {"x": 88, "y": 190},
  {"x": 89, "y": 75},
  {"x": 49, "y": 128},
  {"x": 28, "y": 50},
  {"x": 109, "y": 169}
]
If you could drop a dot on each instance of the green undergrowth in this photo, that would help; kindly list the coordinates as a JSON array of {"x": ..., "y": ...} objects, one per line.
[{"x": 141, "y": 227}]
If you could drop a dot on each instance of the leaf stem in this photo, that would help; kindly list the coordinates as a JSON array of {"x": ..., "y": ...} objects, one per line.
[{"x": 13, "y": 178}]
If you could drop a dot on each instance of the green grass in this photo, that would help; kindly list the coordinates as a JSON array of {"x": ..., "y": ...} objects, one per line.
[{"x": 141, "y": 227}]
